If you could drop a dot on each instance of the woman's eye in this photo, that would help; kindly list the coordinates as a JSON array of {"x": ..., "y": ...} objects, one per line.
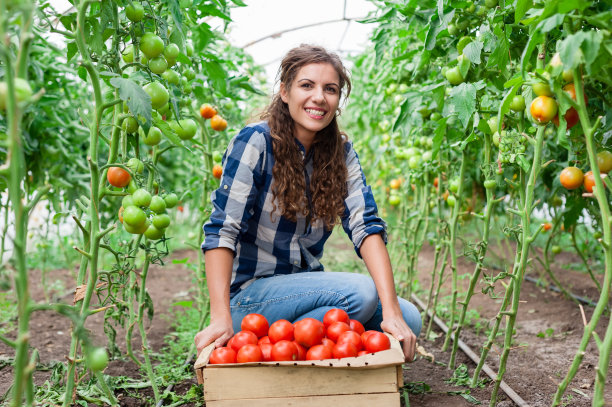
[
  {"x": 306, "y": 85},
  {"x": 331, "y": 89}
]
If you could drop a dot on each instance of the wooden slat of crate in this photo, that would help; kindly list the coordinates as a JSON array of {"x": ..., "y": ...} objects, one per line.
[
  {"x": 296, "y": 381},
  {"x": 346, "y": 400}
]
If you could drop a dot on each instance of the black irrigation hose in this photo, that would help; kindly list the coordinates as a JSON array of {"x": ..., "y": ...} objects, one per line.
[
  {"x": 556, "y": 289},
  {"x": 466, "y": 349}
]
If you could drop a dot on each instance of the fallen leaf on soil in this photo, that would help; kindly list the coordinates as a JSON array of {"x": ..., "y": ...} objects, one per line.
[{"x": 421, "y": 351}]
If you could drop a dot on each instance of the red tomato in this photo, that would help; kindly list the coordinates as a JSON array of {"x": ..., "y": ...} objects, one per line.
[
  {"x": 263, "y": 339},
  {"x": 356, "y": 326},
  {"x": 308, "y": 332},
  {"x": 364, "y": 336},
  {"x": 249, "y": 353},
  {"x": 351, "y": 336},
  {"x": 281, "y": 330},
  {"x": 284, "y": 350},
  {"x": 266, "y": 351},
  {"x": 222, "y": 355},
  {"x": 344, "y": 350},
  {"x": 329, "y": 343},
  {"x": 118, "y": 177},
  {"x": 243, "y": 338},
  {"x": 256, "y": 323},
  {"x": 362, "y": 352},
  {"x": 335, "y": 329},
  {"x": 334, "y": 315},
  {"x": 319, "y": 352},
  {"x": 376, "y": 342},
  {"x": 301, "y": 351}
]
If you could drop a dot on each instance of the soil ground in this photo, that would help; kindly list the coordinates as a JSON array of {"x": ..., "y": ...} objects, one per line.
[{"x": 539, "y": 361}]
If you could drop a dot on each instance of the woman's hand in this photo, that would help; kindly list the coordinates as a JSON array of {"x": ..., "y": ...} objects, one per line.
[
  {"x": 397, "y": 327},
  {"x": 218, "y": 332}
]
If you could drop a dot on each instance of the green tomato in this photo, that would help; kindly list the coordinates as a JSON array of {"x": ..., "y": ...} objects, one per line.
[
  {"x": 490, "y": 3},
  {"x": 97, "y": 359},
  {"x": 128, "y": 54},
  {"x": 134, "y": 216},
  {"x": 217, "y": 156},
  {"x": 435, "y": 116},
  {"x": 171, "y": 51},
  {"x": 403, "y": 88},
  {"x": 158, "y": 93},
  {"x": 134, "y": 12},
  {"x": 152, "y": 233},
  {"x": 518, "y": 103},
  {"x": 604, "y": 161},
  {"x": 427, "y": 156},
  {"x": 141, "y": 197},
  {"x": 158, "y": 65},
  {"x": 451, "y": 201},
  {"x": 556, "y": 249},
  {"x": 453, "y": 185},
  {"x": 493, "y": 124},
  {"x": 171, "y": 200},
  {"x": 151, "y": 45},
  {"x": 490, "y": 184},
  {"x": 452, "y": 29},
  {"x": 23, "y": 91},
  {"x": 132, "y": 186},
  {"x": 556, "y": 201},
  {"x": 153, "y": 137},
  {"x": 597, "y": 235},
  {"x": 135, "y": 230},
  {"x": 394, "y": 200},
  {"x": 189, "y": 49},
  {"x": 185, "y": 128},
  {"x": 541, "y": 89},
  {"x": 462, "y": 23},
  {"x": 157, "y": 205},
  {"x": 161, "y": 221},
  {"x": 127, "y": 201},
  {"x": 189, "y": 74},
  {"x": 135, "y": 165},
  {"x": 454, "y": 76},
  {"x": 130, "y": 125},
  {"x": 414, "y": 162}
]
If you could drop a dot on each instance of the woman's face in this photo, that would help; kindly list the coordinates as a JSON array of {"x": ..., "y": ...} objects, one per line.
[{"x": 313, "y": 99}]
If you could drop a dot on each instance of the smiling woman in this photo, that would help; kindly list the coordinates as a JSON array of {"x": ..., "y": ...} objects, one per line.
[{"x": 287, "y": 181}]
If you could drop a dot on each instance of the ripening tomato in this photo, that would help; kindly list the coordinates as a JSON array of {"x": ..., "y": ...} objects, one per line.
[
  {"x": 351, "y": 336},
  {"x": 243, "y": 338},
  {"x": 266, "y": 351},
  {"x": 308, "y": 332},
  {"x": 217, "y": 171},
  {"x": 256, "y": 323},
  {"x": 604, "y": 161},
  {"x": 547, "y": 226},
  {"x": 118, "y": 177},
  {"x": 335, "y": 329},
  {"x": 395, "y": 184},
  {"x": 571, "y": 178},
  {"x": 222, "y": 355},
  {"x": 218, "y": 123},
  {"x": 334, "y": 315},
  {"x": 301, "y": 351},
  {"x": 249, "y": 353},
  {"x": 435, "y": 182},
  {"x": 280, "y": 330},
  {"x": 356, "y": 326},
  {"x": 376, "y": 342},
  {"x": 543, "y": 109},
  {"x": 571, "y": 115},
  {"x": 319, "y": 352},
  {"x": 284, "y": 350},
  {"x": 207, "y": 111},
  {"x": 589, "y": 181},
  {"x": 344, "y": 350}
]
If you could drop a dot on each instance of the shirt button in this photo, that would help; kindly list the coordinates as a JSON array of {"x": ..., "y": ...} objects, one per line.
[
  {"x": 224, "y": 186},
  {"x": 295, "y": 262}
]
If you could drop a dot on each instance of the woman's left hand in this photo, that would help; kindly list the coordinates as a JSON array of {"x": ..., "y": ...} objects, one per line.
[{"x": 397, "y": 327}]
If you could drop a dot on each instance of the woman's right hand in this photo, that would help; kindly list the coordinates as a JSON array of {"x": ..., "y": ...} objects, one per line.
[{"x": 219, "y": 332}]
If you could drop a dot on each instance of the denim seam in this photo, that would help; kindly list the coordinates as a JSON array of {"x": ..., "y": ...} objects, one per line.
[{"x": 288, "y": 297}]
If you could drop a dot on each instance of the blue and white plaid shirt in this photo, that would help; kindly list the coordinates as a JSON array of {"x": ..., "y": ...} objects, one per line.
[{"x": 266, "y": 245}]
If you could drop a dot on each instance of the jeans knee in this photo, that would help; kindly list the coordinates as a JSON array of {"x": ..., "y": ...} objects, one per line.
[
  {"x": 412, "y": 316},
  {"x": 366, "y": 298}
]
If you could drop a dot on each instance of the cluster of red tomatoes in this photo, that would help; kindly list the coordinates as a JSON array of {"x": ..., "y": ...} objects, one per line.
[{"x": 336, "y": 337}]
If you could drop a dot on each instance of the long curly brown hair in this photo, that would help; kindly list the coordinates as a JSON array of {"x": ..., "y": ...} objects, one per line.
[{"x": 328, "y": 184}]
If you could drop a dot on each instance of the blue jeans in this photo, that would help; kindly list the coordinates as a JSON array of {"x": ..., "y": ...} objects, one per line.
[{"x": 312, "y": 294}]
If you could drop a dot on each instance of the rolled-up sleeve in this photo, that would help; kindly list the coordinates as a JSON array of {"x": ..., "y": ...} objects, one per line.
[
  {"x": 360, "y": 217},
  {"x": 233, "y": 201}
]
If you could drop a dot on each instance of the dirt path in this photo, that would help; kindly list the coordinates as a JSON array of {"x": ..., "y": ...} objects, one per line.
[{"x": 534, "y": 367}]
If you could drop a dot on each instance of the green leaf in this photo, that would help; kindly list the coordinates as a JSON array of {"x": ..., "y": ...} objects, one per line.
[
  {"x": 106, "y": 13},
  {"x": 472, "y": 51},
  {"x": 436, "y": 25},
  {"x": 535, "y": 38},
  {"x": 72, "y": 49},
  {"x": 550, "y": 23},
  {"x": 175, "y": 12},
  {"x": 579, "y": 48},
  {"x": 138, "y": 101},
  {"x": 216, "y": 75},
  {"x": 521, "y": 8},
  {"x": 408, "y": 107},
  {"x": 463, "y": 101},
  {"x": 439, "y": 135},
  {"x": 184, "y": 304},
  {"x": 499, "y": 55}
]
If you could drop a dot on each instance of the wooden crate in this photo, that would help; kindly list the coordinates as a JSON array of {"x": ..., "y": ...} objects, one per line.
[{"x": 370, "y": 380}]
